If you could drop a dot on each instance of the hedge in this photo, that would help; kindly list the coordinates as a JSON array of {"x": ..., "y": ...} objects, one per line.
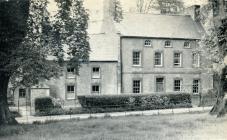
[
  {"x": 45, "y": 106},
  {"x": 104, "y": 103}
]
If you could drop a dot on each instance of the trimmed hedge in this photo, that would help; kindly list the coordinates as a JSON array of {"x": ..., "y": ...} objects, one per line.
[
  {"x": 104, "y": 103},
  {"x": 43, "y": 104}
]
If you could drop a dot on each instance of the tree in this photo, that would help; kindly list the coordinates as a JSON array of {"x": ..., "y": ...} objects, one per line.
[
  {"x": 163, "y": 6},
  {"x": 214, "y": 46},
  {"x": 13, "y": 15},
  {"x": 117, "y": 11},
  {"x": 25, "y": 45}
]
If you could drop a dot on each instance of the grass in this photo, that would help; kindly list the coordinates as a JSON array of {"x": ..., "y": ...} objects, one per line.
[{"x": 174, "y": 127}]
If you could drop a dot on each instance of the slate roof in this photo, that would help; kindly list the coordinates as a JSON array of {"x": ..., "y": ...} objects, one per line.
[
  {"x": 160, "y": 26},
  {"x": 105, "y": 39}
]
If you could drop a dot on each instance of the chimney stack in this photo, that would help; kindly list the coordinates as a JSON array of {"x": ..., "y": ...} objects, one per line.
[{"x": 194, "y": 12}]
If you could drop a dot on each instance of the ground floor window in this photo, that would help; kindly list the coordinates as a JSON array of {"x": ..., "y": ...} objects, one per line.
[
  {"x": 95, "y": 89},
  {"x": 70, "y": 92},
  {"x": 22, "y": 93},
  {"x": 159, "y": 84},
  {"x": 177, "y": 84},
  {"x": 195, "y": 86},
  {"x": 136, "y": 86}
]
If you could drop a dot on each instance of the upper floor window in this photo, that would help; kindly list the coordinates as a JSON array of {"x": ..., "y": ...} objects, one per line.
[
  {"x": 136, "y": 86},
  {"x": 196, "y": 59},
  {"x": 136, "y": 58},
  {"x": 187, "y": 44},
  {"x": 177, "y": 84},
  {"x": 95, "y": 89},
  {"x": 70, "y": 70},
  {"x": 22, "y": 93},
  {"x": 168, "y": 43},
  {"x": 177, "y": 59},
  {"x": 147, "y": 43},
  {"x": 96, "y": 72},
  {"x": 158, "y": 59},
  {"x": 70, "y": 89}
]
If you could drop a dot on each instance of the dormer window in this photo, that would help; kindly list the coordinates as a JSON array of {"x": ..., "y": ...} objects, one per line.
[
  {"x": 187, "y": 44},
  {"x": 168, "y": 44},
  {"x": 147, "y": 43}
]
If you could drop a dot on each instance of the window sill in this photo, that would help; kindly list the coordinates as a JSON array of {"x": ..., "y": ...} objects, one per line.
[
  {"x": 168, "y": 46},
  {"x": 70, "y": 98},
  {"x": 137, "y": 66},
  {"x": 158, "y": 66},
  {"x": 96, "y": 78}
]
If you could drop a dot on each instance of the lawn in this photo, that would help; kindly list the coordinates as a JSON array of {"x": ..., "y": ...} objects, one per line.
[{"x": 197, "y": 126}]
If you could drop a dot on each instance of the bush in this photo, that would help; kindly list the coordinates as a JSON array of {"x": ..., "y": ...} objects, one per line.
[
  {"x": 107, "y": 103},
  {"x": 45, "y": 106}
]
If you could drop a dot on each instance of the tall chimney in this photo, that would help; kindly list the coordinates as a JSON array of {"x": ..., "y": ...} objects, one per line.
[{"x": 194, "y": 12}]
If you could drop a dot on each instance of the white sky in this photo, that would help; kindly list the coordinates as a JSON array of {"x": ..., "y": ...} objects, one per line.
[{"x": 126, "y": 4}]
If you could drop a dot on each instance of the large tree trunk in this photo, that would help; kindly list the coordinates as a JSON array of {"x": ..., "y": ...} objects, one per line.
[
  {"x": 5, "y": 115},
  {"x": 219, "y": 108}
]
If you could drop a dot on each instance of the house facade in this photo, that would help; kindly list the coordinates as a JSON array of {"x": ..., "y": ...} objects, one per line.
[
  {"x": 162, "y": 55},
  {"x": 143, "y": 54}
]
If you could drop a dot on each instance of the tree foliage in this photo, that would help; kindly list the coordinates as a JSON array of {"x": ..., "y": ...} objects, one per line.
[
  {"x": 163, "y": 6},
  {"x": 214, "y": 47},
  {"x": 28, "y": 39},
  {"x": 70, "y": 29},
  {"x": 117, "y": 11}
]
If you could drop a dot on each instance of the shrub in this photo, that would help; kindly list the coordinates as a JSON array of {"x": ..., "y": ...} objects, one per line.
[
  {"x": 109, "y": 103},
  {"x": 43, "y": 104}
]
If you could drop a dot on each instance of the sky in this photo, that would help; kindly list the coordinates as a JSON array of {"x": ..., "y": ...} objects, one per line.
[{"x": 126, "y": 4}]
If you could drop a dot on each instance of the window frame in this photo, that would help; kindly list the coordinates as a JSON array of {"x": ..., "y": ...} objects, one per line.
[
  {"x": 22, "y": 94},
  {"x": 196, "y": 62},
  {"x": 96, "y": 92},
  {"x": 180, "y": 86},
  {"x": 140, "y": 86},
  {"x": 187, "y": 46},
  {"x": 168, "y": 44},
  {"x": 71, "y": 93},
  {"x": 96, "y": 75},
  {"x": 139, "y": 58},
  {"x": 70, "y": 70},
  {"x": 180, "y": 59},
  {"x": 161, "y": 59},
  {"x": 147, "y": 44},
  {"x": 163, "y": 84},
  {"x": 197, "y": 86}
]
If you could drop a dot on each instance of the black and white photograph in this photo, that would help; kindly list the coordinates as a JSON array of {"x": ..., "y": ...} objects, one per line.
[{"x": 113, "y": 69}]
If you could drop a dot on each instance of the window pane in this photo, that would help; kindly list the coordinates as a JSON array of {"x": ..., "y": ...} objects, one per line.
[
  {"x": 177, "y": 59},
  {"x": 95, "y": 89},
  {"x": 136, "y": 86},
  {"x": 22, "y": 93},
  {"x": 70, "y": 70},
  {"x": 186, "y": 44},
  {"x": 167, "y": 43},
  {"x": 195, "y": 59},
  {"x": 159, "y": 84},
  {"x": 177, "y": 85},
  {"x": 158, "y": 59},
  {"x": 136, "y": 58},
  {"x": 70, "y": 89},
  {"x": 195, "y": 86},
  {"x": 96, "y": 72},
  {"x": 147, "y": 43}
]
